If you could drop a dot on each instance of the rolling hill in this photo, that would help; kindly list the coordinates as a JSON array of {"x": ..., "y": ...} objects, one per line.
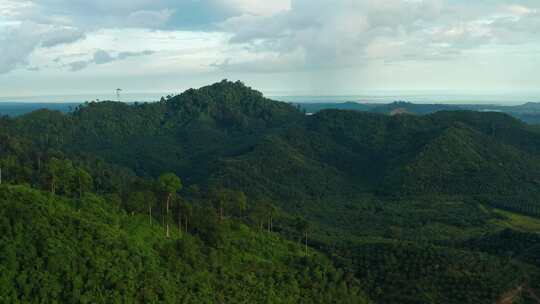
[{"x": 403, "y": 208}]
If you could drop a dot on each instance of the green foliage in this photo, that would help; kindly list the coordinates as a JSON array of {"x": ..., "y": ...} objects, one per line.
[
  {"x": 509, "y": 243},
  {"x": 411, "y": 273},
  {"x": 404, "y": 205},
  {"x": 58, "y": 250},
  {"x": 170, "y": 183}
]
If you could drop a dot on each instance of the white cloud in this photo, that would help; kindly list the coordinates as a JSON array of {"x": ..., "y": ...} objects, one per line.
[
  {"x": 343, "y": 33},
  {"x": 261, "y": 7},
  {"x": 258, "y": 36},
  {"x": 16, "y": 44},
  {"x": 18, "y": 41},
  {"x": 149, "y": 19},
  {"x": 103, "y": 57},
  {"x": 263, "y": 63},
  {"x": 520, "y": 10},
  {"x": 78, "y": 65},
  {"x": 61, "y": 35},
  {"x": 56, "y": 22}
]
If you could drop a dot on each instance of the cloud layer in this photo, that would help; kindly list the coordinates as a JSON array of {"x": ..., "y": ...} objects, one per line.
[
  {"x": 104, "y": 57},
  {"x": 260, "y": 36},
  {"x": 351, "y": 32}
]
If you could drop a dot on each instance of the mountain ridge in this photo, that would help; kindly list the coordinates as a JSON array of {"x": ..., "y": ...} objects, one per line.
[{"x": 382, "y": 197}]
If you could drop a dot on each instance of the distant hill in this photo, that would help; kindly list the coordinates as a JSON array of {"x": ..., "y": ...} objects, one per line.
[
  {"x": 529, "y": 112},
  {"x": 20, "y": 108}
]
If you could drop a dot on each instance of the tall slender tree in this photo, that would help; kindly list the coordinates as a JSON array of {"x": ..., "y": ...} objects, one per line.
[
  {"x": 304, "y": 227},
  {"x": 241, "y": 202},
  {"x": 219, "y": 198},
  {"x": 54, "y": 170},
  {"x": 84, "y": 181},
  {"x": 169, "y": 184}
]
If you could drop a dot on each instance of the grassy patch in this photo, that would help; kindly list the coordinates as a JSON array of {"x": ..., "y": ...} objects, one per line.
[{"x": 517, "y": 221}]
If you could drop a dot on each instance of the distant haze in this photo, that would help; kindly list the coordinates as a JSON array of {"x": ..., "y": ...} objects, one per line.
[{"x": 373, "y": 97}]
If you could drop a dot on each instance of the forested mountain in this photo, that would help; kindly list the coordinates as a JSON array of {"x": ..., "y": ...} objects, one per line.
[
  {"x": 528, "y": 112},
  {"x": 393, "y": 209},
  {"x": 55, "y": 249}
]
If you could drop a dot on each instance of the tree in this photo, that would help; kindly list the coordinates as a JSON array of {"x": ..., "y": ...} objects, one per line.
[
  {"x": 135, "y": 202},
  {"x": 225, "y": 199},
  {"x": 219, "y": 198},
  {"x": 188, "y": 213},
  {"x": 113, "y": 199},
  {"x": 304, "y": 226},
  {"x": 241, "y": 202},
  {"x": 84, "y": 181},
  {"x": 54, "y": 168},
  {"x": 150, "y": 200},
  {"x": 169, "y": 183},
  {"x": 206, "y": 225},
  {"x": 263, "y": 212},
  {"x": 258, "y": 215},
  {"x": 193, "y": 191},
  {"x": 179, "y": 207},
  {"x": 271, "y": 212},
  {"x": 66, "y": 179}
]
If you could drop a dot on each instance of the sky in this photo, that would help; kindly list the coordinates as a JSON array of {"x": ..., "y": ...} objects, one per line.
[{"x": 280, "y": 47}]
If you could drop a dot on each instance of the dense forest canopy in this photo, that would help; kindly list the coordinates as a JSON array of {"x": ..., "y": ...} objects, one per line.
[
  {"x": 222, "y": 195},
  {"x": 528, "y": 112}
]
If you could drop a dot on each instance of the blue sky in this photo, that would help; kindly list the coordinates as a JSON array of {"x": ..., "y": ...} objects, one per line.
[{"x": 309, "y": 47}]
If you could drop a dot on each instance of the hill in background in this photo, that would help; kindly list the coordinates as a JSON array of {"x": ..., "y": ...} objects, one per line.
[{"x": 528, "y": 112}]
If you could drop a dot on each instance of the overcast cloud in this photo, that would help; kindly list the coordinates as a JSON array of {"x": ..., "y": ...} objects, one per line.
[{"x": 369, "y": 44}]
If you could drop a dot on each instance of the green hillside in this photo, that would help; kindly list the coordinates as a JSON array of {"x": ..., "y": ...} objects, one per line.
[
  {"x": 54, "y": 249},
  {"x": 403, "y": 209}
]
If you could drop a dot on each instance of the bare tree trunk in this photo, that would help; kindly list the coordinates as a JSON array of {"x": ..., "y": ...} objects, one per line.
[
  {"x": 80, "y": 187},
  {"x": 186, "y": 223},
  {"x": 306, "y": 243},
  {"x": 167, "y": 206},
  {"x": 150, "y": 213},
  {"x": 179, "y": 222}
]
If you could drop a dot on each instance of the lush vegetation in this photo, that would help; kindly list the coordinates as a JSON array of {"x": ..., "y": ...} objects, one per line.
[
  {"x": 54, "y": 249},
  {"x": 221, "y": 195},
  {"x": 528, "y": 112}
]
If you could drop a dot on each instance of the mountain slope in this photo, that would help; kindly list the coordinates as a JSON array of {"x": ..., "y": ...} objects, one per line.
[
  {"x": 464, "y": 161},
  {"x": 384, "y": 197},
  {"x": 54, "y": 249}
]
